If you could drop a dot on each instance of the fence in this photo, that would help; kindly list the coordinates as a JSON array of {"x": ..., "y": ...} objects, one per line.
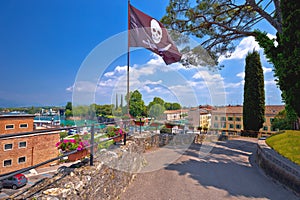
[{"x": 54, "y": 131}]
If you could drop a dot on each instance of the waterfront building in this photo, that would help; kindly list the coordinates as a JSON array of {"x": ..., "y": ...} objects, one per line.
[{"x": 21, "y": 151}]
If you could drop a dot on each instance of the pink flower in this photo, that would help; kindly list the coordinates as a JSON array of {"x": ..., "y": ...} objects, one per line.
[
  {"x": 57, "y": 144},
  {"x": 120, "y": 131},
  {"x": 79, "y": 148}
]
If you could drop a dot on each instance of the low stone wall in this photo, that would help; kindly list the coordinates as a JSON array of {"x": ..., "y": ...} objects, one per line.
[
  {"x": 278, "y": 167},
  {"x": 113, "y": 170}
]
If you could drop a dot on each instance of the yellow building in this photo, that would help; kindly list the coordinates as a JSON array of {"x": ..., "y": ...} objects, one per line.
[{"x": 230, "y": 118}]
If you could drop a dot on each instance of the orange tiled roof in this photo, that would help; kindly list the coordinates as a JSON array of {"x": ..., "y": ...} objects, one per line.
[
  {"x": 175, "y": 111},
  {"x": 269, "y": 109},
  {"x": 273, "y": 109}
]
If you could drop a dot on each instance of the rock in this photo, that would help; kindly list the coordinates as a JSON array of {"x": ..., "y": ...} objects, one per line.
[{"x": 113, "y": 170}]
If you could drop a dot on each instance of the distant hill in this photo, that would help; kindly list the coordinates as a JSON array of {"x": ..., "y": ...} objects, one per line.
[{"x": 7, "y": 103}]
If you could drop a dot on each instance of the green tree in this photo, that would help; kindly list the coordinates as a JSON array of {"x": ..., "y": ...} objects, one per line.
[
  {"x": 68, "y": 113},
  {"x": 69, "y": 105},
  {"x": 156, "y": 111},
  {"x": 121, "y": 105},
  {"x": 156, "y": 100},
  {"x": 168, "y": 105},
  {"x": 221, "y": 22},
  {"x": 286, "y": 55},
  {"x": 91, "y": 113},
  {"x": 254, "y": 94},
  {"x": 117, "y": 103},
  {"x": 32, "y": 110},
  {"x": 104, "y": 109},
  {"x": 172, "y": 106},
  {"x": 281, "y": 121},
  {"x": 176, "y": 106},
  {"x": 137, "y": 106}
]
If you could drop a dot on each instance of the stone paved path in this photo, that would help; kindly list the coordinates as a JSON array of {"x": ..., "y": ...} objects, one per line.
[{"x": 227, "y": 172}]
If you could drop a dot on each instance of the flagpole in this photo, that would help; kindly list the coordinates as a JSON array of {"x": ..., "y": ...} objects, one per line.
[{"x": 128, "y": 57}]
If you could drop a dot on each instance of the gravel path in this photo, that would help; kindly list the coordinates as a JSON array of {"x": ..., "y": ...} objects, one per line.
[{"x": 227, "y": 172}]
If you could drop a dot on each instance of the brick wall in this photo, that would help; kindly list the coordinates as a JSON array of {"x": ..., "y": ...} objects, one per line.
[
  {"x": 39, "y": 148},
  {"x": 16, "y": 121}
]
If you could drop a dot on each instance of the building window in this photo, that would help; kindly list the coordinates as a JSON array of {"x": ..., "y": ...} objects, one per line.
[
  {"x": 216, "y": 125},
  {"x": 7, "y": 163},
  {"x": 273, "y": 129},
  {"x": 22, "y": 144},
  {"x": 230, "y": 125},
  {"x": 238, "y": 119},
  {"x": 216, "y": 118},
  {"x": 238, "y": 126},
  {"x": 223, "y": 125},
  {"x": 8, "y": 147},
  {"x": 9, "y": 126},
  {"x": 265, "y": 128},
  {"x": 230, "y": 118},
  {"x": 21, "y": 160},
  {"x": 271, "y": 120},
  {"x": 223, "y": 118},
  {"x": 23, "y": 125}
]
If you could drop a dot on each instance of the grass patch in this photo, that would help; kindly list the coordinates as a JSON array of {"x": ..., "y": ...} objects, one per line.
[{"x": 286, "y": 144}]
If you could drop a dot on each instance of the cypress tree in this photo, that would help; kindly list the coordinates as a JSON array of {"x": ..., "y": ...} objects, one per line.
[
  {"x": 254, "y": 94},
  {"x": 117, "y": 104},
  {"x": 121, "y": 105}
]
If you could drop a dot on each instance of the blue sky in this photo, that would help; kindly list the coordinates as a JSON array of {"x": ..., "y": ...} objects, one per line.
[{"x": 43, "y": 46}]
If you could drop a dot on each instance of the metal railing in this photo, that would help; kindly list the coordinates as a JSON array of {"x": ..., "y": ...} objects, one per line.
[{"x": 54, "y": 131}]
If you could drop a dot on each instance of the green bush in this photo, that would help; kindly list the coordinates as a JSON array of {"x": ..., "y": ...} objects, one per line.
[
  {"x": 63, "y": 134},
  {"x": 166, "y": 130}
]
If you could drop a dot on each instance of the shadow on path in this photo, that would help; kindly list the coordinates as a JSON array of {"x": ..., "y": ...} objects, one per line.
[{"x": 230, "y": 167}]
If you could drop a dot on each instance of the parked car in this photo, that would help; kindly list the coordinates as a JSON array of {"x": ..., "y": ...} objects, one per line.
[
  {"x": 72, "y": 132},
  {"x": 15, "y": 181}
]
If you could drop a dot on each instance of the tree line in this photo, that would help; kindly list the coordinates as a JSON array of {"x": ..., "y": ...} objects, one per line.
[{"x": 137, "y": 108}]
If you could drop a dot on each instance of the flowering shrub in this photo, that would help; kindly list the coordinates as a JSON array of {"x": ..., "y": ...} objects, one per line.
[
  {"x": 113, "y": 132},
  {"x": 72, "y": 144}
]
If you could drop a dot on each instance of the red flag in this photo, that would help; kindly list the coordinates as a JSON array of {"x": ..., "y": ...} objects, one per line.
[{"x": 149, "y": 33}]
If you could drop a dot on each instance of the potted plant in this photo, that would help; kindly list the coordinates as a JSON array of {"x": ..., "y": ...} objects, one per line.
[
  {"x": 170, "y": 124},
  {"x": 139, "y": 122},
  {"x": 199, "y": 128},
  {"x": 116, "y": 133},
  {"x": 75, "y": 144}
]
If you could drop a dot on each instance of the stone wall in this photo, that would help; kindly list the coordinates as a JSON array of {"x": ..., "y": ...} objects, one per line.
[
  {"x": 113, "y": 170},
  {"x": 278, "y": 167}
]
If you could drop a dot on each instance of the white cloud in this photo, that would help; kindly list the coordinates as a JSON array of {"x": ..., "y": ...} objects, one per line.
[
  {"x": 119, "y": 70},
  {"x": 267, "y": 70},
  {"x": 109, "y": 74},
  {"x": 270, "y": 82},
  {"x": 234, "y": 85},
  {"x": 247, "y": 44},
  {"x": 148, "y": 82},
  {"x": 241, "y": 75},
  {"x": 84, "y": 86},
  {"x": 69, "y": 89}
]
